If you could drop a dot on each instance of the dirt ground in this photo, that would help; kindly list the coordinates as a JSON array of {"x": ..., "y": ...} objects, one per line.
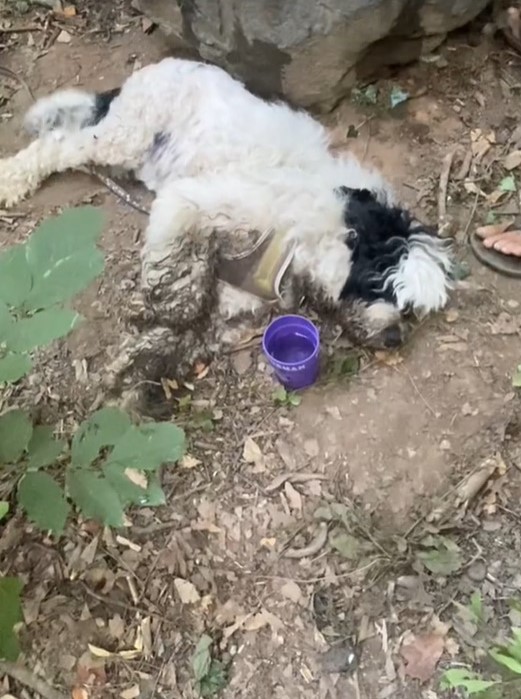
[{"x": 386, "y": 444}]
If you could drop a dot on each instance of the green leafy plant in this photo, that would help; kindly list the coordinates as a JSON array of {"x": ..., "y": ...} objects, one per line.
[
  {"x": 37, "y": 277},
  {"x": 463, "y": 678},
  {"x": 210, "y": 674},
  {"x": 110, "y": 463},
  {"x": 441, "y": 556},
  {"x": 507, "y": 657},
  {"x": 10, "y": 615},
  {"x": 290, "y": 399}
]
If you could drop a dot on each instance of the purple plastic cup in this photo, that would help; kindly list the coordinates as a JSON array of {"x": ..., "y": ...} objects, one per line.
[{"x": 292, "y": 345}]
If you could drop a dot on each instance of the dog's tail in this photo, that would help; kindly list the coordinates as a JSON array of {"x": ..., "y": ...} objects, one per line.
[{"x": 68, "y": 110}]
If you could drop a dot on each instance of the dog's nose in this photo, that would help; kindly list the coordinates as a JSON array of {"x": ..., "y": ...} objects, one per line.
[{"x": 392, "y": 336}]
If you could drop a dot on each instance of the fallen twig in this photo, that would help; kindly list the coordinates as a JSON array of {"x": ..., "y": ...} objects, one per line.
[
  {"x": 442, "y": 190},
  {"x": 294, "y": 477},
  {"x": 29, "y": 679},
  {"x": 313, "y": 547}
]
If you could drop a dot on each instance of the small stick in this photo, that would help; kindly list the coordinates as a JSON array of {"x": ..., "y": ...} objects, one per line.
[
  {"x": 298, "y": 477},
  {"x": 26, "y": 677},
  {"x": 20, "y": 30},
  {"x": 119, "y": 191},
  {"x": 442, "y": 189},
  {"x": 313, "y": 547}
]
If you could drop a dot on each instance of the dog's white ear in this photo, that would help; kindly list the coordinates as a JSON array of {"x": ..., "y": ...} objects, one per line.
[{"x": 421, "y": 280}]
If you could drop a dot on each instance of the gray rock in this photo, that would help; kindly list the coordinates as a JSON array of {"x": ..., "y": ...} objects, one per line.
[{"x": 310, "y": 52}]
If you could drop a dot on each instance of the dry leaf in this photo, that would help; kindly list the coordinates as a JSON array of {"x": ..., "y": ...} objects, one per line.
[
  {"x": 252, "y": 453},
  {"x": 514, "y": 21},
  {"x": 187, "y": 591},
  {"x": 512, "y": 160},
  {"x": 262, "y": 619},
  {"x": 291, "y": 591},
  {"x": 257, "y": 621},
  {"x": 388, "y": 358},
  {"x": 137, "y": 477},
  {"x": 505, "y": 324},
  {"x": 131, "y": 692},
  {"x": 99, "y": 652},
  {"x": 64, "y": 37},
  {"x": 294, "y": 497},
  {"x": 129, "y": 544},
  {"x": 452, "y": 315},
  {"x": 116, "y": 626},
  {"x": 90, "y": 670},
  {"x": 189, "y": 461},
  {"x": 79, "y": 693},
  {"x": 201, "y": 370},
  {"x": 421, "y": 655}
]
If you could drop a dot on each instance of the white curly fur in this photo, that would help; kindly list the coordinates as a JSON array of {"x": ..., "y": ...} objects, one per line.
[{"x": 220, "y": 158}]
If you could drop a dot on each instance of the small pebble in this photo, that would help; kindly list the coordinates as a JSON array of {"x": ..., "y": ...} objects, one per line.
[
  {"x": 445, "y": 445},
  {"x": 341, "y": 658},
  {"x": 477, "y": 571}
]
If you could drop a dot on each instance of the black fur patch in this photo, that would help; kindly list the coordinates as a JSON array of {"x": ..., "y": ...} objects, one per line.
[
  {"x": 103, "y": 102},
  {"x": 383, "y": 234}
]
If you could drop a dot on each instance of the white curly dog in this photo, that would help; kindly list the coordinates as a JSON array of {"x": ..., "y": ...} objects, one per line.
[{"x": 230, "y": 170}]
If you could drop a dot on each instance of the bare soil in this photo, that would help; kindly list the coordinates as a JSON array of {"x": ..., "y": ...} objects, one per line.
[{"x": 388, "y": 442}]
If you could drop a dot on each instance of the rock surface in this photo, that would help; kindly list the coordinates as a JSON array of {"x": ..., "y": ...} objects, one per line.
[{"x": 311, "y": 52}]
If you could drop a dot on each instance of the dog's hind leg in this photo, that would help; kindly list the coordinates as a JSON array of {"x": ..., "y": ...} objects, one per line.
[{"x": 57, "y": 151}]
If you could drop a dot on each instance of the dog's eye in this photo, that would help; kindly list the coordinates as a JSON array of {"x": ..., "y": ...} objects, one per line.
[{"x": 351, "y": 238}]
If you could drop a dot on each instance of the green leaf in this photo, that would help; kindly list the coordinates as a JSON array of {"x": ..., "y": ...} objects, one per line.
[
  {"x": 43, "y": 449},
  {"x": 10, "y": 614},
  {"x": 346, "y": 545},
  {"x": 202, "y": 659},
  {"x": 441, "y": 561},
  {"x": 476, "y": 606},
  {"x": 95, "y": 497},
  {"x": 102, "y": 429},
  {"x": 398, "y": 96},
  {"x": 516, "y": 378},
  {"x": 15, "y": 433},
  {"x": 508, "y": 184},
  {"x": 6, "y": 322},
  {"x": 129, "y": 493},
  {"x": 511, "y": 663},
  {"x": 4, "y": 508},
  {"x": 214, "y": 681},
  {"x": 43, "y": 501},
  {"x": 154, "y": 495},
  {"x": 467, "y": 680},
  {"x": 280, "y": 395},
  {"x": 13, "y": 367},
  {"x": 294, "y": 399},
  {"x": 15, "y": 276},
  {"x": 62, "y": 256},
  {"x": 149, "y": 446},
  {"x": 41, "y": 329}
]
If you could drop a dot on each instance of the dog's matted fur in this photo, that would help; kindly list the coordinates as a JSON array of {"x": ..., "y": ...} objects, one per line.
[{"x": 226, "y": 166}]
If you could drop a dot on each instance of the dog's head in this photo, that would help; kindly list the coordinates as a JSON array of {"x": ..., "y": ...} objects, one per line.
[{"x": 398, "y": 265}]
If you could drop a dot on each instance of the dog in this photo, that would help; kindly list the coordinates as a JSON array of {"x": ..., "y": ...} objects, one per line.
[{"x": 252, "y": 210}]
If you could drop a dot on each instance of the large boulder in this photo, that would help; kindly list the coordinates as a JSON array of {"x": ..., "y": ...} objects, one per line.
[{"x": 309, "y": 51}]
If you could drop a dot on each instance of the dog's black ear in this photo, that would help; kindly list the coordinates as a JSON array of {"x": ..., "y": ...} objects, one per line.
[{"x": 361, "y": 195}]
